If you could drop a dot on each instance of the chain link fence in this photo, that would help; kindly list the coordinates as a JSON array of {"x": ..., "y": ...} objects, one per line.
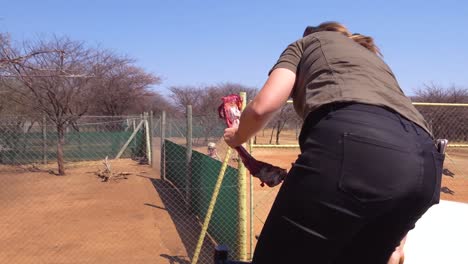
[
  {"x": 185, "y": 189},
  {"x": 194, "y": 204},
  {"x": 24, "y": 141},
  {"x": 84, "y": 215},
  {"x": 207, "y": 207},
  {"x": 448, "y": 121},
  {"x": 186, "y": 170}
]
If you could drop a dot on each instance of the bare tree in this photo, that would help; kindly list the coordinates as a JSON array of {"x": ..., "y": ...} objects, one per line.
[
  {"x": 119, "y": 85},
  {"x": 444, "y": 121},
  {"x": 433, "y": 93},
  {"x": 55, "y": 75},
  {"x": 285, "y": 114},
  {"x": 153, "y": 101},
  {"x": 5, "y": 101},
  {"x": 186, "y": 95},
  {"x": 9, "y": 97},
  {"x": 205, "y": 101}
]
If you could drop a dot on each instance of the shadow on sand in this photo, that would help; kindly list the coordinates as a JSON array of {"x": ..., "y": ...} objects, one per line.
[{"x": 188, "y": 226}]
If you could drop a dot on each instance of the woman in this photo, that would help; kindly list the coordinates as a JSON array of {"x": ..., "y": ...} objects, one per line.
[{"x": 368, "y": 168}]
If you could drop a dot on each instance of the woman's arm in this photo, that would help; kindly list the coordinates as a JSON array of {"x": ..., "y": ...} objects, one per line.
[{"x": 256, "y": 115}]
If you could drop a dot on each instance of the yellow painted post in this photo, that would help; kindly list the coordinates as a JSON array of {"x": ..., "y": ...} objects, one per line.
[
  {"x": 242, "y": 191},
  {"x": 251, "y": 208},
  {"x": 440, "y": 104},
  {"x": 251, "y": 140}
]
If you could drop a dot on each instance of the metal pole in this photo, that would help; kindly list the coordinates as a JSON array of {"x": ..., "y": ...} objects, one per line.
[
  {"x": 151, "y": 128},
  {"x": 251, "y": 141},
  {"x": 129, "y": 140},
  {"x": 188, "y": 160},
  {"x": 251, "y": 209},
  {"x": 148, "y": 139},
  {"x": 134, "y": 143},
  {"x": 44, "y": 140},
  {"x": 251, "y": 216},
  {"x": 163, "y": 138},
  {"x": 242, "y": 190}
]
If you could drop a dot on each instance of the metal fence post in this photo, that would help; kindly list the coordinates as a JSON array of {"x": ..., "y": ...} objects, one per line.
[
  {"x": 251, "y": 206},
  {"x": 188, "y": 158},
  {"x": 134, "y": 144},
  {"x": 148, "y": 139},
  {"x": 163, "y": 138},
  {"x": 242, "y": 190},
  {"x": 44, "y": 139},
  {"x": 251, "y": 142},
  {"x": 151, "y": 127}
]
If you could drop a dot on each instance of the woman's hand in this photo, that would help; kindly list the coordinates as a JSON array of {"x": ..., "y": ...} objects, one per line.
[
  {"x": 231, "y": 137},
  {"x": 268, "y": 101}
]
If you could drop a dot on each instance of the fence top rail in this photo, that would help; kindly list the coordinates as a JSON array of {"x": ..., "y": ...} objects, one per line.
[
  {"x": 274, "y": 146},
  {"x": 107, "y": 116},
  {"x": 84, "y": 116},
  {"x": 439, "y": 104},
  {"x": 297, "y": 146},
  {"x": 423, "y": 104},
  {"x": 91, "y": 124}
]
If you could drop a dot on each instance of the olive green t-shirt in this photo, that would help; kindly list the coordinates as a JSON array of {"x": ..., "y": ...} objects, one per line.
[{"x": 331, "y": 67}]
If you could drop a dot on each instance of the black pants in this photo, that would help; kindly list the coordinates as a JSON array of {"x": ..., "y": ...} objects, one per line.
[{"x": 364, "y": 177}]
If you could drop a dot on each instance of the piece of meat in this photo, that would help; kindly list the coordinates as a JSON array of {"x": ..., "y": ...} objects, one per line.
[{"x": 268, "y": 174}]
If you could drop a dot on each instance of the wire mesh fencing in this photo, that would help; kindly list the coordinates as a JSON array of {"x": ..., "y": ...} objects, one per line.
[
  {"x": 201, "y": 194},
  {"x": 449, "y": 121},
  {"x": 277, "y": 144},
  {"x": 24, "y": 141},
  {"x": 197, "y": 205},
  {"x": 85, "y": 215}
]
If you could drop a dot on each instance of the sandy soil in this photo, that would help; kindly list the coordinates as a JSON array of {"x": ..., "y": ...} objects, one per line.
[
  {"x": 76, "y": 218},
  {"x": 79, "y": 219}
]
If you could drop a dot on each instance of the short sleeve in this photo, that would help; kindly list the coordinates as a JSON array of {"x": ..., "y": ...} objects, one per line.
[{"x": 290, "y": 57}]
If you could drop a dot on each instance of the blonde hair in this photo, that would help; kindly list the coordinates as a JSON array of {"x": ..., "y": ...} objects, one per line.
[{"x": 365, "y": 41}]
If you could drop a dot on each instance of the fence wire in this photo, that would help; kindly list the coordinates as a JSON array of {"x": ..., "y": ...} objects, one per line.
[
  {"x": 74, "y": 219},
  {"x": 190, "y": 174},
  {"x": 24, "y": 141},
  {"x": 445, "y": 121},
  {"x": 449, "y": 121},
  {"x": 71, "y": 218}
]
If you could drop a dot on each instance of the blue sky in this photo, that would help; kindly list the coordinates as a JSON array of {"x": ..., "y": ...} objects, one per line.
[{"x": 208, "y": 42}]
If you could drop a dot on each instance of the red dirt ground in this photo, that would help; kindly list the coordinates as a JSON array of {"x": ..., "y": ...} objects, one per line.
[
  {"x": 454, "y": 187},
  {"x": 79, "y": 219}
]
